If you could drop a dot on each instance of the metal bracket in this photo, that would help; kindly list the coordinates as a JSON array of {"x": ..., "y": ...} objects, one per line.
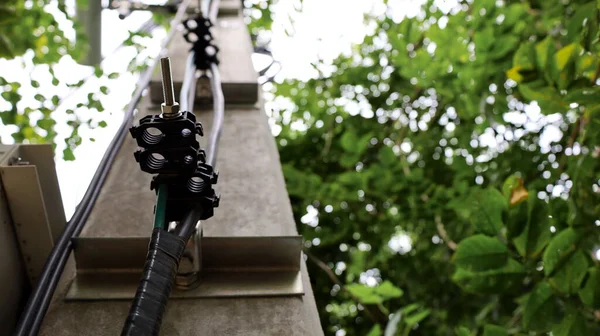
[
  {"x": 110, "y": 268},
  {"x": 31, "y": 186}
]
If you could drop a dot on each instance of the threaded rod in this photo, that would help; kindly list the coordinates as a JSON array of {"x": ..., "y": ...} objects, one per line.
[{"x": 167, "y": 81}]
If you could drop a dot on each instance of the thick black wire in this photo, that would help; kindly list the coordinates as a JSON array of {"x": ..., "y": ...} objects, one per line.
[{"x": 37, "y": 305}]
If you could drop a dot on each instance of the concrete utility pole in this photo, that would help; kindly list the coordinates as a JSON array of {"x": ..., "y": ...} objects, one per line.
[
  {"x": 254, "y": 202},
  {"x": 90, "y": 16}
]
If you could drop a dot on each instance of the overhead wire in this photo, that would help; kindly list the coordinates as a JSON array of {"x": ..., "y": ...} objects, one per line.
[
  {"x": 218, "y": 115},
  {"x": 191, "y": 219},
  {"x": 39, "y": 300},
  {"x": 188, "y": 86}
]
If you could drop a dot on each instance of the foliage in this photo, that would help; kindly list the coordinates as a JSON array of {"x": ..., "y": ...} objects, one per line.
[
  {"x": 32, "y": 36},
  {"x": 453, "y": 157}
]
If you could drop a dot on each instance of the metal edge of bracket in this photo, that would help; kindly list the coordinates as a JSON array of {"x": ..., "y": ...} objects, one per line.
[
  {"x": 29, "y": 180},
  {"x": 110, "y": 268}
]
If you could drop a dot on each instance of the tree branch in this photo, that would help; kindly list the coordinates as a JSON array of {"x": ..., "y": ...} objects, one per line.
[
  {"x": 442, "y": 231},
  {"x": 367, "y": 309}
]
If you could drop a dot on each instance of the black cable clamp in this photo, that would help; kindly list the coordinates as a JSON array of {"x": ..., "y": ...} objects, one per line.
[
  {"x": 199, "y": 35},
  {"x": 171, "y": 150},
  {"x": 169, "y": 144}
]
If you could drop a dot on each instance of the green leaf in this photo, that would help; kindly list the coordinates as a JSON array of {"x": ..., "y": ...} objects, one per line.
[
  {"x": 584, "y": 96},
  {"x": 540, "y": 309},
  {"x": 517, "y": 219},
  {"x": 463, "y": 331},
  {"x": 543, "y": 50},
  {"x": 481, "y": 253},
  {"x": 364, "y": 294},
  {"x": 387, "y": 156},
  {"x": 569, "y": 276},
  {"x": 410, "y": 308},
  {"x": 68, "y": 154},
  {"x": 35, "y": 84},
  {"x": 98, "y": 72},
  {"x": 563, "y": 61},
  {"x": 374, "y": 295},
  {"x": 564, "y": 56},
  {"x": 494, "y": 330},
  {"x": 104, "y": 90},
  {"x": 375, "y": 331},
  {"x": 503, "y": 45},
  {"x": 524, "y": 57},
  {"x": 102, "y": 124},
  {"x": 387, "y": 290},
  {"x": 353, "y": 144},
  {"x": 559, "y": 248},
  {"x": 536, "y": 233},
  {"x": 488, "y": 205},
  {"x": 46, "y": 123},
  {"x": 78, "y": 84},
  {"x": 113, "y": 75},
  {"x": 590, "y": 293},
  {"x": 503, "y": 280},
  {"x": 571, "y": 325},
  {"x": 412, "y": 320}
]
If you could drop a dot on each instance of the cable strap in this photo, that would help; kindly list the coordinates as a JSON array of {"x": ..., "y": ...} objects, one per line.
[{"x": 145, "y": 316}]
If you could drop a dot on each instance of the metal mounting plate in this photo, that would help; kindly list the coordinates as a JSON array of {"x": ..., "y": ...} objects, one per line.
[{"x": 110, "y": 268}]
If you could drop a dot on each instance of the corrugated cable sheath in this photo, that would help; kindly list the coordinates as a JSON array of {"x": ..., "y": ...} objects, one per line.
[{"x": 146, "y": 312}]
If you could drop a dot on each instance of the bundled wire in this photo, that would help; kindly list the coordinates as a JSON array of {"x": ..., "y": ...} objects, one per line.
[
  {"x": 37, "y": 305},
  {"x": 166, "y": 248},
  {"x": 189, "y": 222}
]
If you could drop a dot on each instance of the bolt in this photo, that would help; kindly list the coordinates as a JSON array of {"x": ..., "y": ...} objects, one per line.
[
  {"x": 170, "y": 108},
  {"x": 188, "y": 159},
  {"x": 186, "y": 132}
]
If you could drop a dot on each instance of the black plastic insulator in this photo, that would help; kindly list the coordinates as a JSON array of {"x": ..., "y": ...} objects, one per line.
[
  {"x": 189, "y": 191},
  {"x": 177, "y": 160},
  {"x": 145, "y": 316},
  {"x": 199, "y": 35},
  {"x": 169, "y": 145},
  {"x": 154, "y": 131}
]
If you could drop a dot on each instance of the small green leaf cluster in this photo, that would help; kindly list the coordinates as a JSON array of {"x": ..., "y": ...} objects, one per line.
[{"x": 518, "y": 252}]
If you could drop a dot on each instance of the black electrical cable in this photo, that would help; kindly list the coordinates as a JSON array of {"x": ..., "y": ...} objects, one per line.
[
  {"x": 39, "y": 300},
  {"x": 162, "y": 261}
]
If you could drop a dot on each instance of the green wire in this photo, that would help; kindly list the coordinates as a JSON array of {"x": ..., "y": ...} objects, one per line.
[{"x": 161, "y": 204}]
